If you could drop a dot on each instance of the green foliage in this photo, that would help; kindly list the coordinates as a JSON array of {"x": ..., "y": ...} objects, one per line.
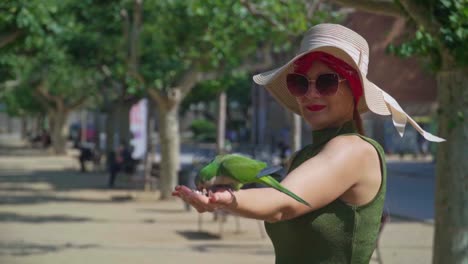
[
  {"x": 203, "y": 130},
  {"x": 69, "y": 42},
  {"x": 212, "y": 35},
  {"x": 422, "y": 45},
  {"x": 20, "y": 102},
  {"x": 97, "y": 33},
  {"x": 35, "y": 18},
  {"x": 237, "y": 87},
  {"x": 34, "y": 24},
  {"x": 452, "y": 16},
  {"x": 61, "y": 44}
]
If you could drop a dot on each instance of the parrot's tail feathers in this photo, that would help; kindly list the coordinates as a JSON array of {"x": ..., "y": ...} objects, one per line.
[
  {"x": 268, "y": 171},
  {"x": 276, "y": 185}
]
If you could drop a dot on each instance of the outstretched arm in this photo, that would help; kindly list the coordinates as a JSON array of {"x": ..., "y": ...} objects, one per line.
[
  {"x": 260, "y": 203},
  {"x": 320, "y": 180}
]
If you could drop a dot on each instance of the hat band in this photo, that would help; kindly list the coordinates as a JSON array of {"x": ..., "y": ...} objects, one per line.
[{"x": 351, "y": 48}]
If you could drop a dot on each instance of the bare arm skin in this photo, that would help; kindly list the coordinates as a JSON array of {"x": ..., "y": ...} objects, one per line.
[{"x": 346, "y": 166}]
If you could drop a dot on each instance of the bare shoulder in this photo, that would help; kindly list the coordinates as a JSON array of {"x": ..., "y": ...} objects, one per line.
[{"x": 350, "y": 147}]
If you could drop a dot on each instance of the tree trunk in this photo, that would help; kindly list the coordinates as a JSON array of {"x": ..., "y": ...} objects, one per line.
[
  {"x": 451, "y": 201},
  {"x": 110, "y": 129},
  {"x": 24, "y": 127},
  {"x": 124, "y": 122},
  {"x": 57, "y": 131},
  {"x": 220, "y": 143},
  {"x": 99, "y": 126},
  {"x": 83, "y": 126},
  {"x": 9, "y": 122},
  {"x": 151, "y": 145},
  {"x": 39, "y": 125},
  {"x": 170, "y": 148}
]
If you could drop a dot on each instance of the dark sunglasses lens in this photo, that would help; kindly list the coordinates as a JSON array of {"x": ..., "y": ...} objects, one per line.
[
  {"x": 327, "y": 84},
  {"x": 297, "y": 84}
]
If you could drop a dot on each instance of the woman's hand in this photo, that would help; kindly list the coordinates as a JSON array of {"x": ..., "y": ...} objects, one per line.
[{"x": 221, "y": 199}]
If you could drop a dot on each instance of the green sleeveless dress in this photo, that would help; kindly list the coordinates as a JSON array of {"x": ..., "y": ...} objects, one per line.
[{"x": 337, "y": 232}]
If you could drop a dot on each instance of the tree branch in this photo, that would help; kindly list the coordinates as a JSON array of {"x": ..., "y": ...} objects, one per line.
[
  {"x": 42, "y": 101},
  {"x": 388, "y": 8},
  {"x": 46, "y": 95},
  {"x": 192, "y": 77},
  {"x": 422, "y": 16},
  {"x": 312, "y": 6},
  {"x": 10, "y": 37},
  {"x": 60, "y": 104},
  {"x": 189, "y": 80},
  {"x": 78, "y": 103},
  {"x": 158, "y": 97},
  {"x": 125, "y": 33},
  {"x": 257, "y": 13},
  {"x": 134, "y": 38},
  {"x": 265, "y": 63}
]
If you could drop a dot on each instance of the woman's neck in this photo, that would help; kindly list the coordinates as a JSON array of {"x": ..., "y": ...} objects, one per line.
[
  {"x": 333, "y": 125},
  {"x": 325, "y": 134}
]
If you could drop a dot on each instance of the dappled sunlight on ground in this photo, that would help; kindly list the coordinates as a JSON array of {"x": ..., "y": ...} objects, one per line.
[{"x": 52, "y": 213}]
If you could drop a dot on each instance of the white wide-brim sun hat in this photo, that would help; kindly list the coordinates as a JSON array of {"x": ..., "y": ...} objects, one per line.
[{"x": 349, "y": 46}]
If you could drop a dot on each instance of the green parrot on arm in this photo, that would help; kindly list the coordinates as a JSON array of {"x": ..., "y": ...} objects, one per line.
[{"x": 234, "y": 170}]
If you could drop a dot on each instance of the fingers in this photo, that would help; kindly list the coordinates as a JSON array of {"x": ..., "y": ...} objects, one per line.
[
  {"x": 202, "y": 203},
  {"x": 199, "y": 202}
]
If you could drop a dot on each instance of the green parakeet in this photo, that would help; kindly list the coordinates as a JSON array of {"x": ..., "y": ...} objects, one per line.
[{"x": 234, "y": 170}]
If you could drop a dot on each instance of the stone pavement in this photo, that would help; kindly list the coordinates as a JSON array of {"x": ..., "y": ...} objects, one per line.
[{"x": 51, "y": 213}]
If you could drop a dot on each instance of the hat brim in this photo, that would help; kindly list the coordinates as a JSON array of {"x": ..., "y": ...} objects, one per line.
[{"x": 374, "y": 99}]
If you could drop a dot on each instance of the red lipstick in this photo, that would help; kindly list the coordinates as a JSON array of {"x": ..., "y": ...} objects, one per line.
[{"x": 315, "y": 108}]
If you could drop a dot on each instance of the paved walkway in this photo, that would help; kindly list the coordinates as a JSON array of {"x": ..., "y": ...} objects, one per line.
[{"x": 51, "y": 213}]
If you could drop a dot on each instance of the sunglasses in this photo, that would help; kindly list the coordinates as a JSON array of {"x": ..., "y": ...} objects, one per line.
[{"x": 326, "y": 84}]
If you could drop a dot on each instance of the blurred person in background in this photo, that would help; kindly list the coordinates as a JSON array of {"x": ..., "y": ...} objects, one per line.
[{"x": 120, "y": 161}]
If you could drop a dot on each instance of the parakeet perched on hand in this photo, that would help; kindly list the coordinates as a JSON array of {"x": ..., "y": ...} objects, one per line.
[{"x": 233, "y": 171}]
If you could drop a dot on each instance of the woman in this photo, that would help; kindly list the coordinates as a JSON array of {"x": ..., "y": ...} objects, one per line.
[{"x": 341, "y": 174}]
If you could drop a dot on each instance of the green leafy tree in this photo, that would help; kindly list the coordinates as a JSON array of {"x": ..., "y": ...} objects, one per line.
[
  {"x": 227, "y": 89},
  {"x": 31, "y": 22},
  {"x": 105, "y": 43},
  {"x": 442, "y": 39},
  {"x": 187, "y": 42},
  {"x": 236, "y": 86},
  {"x": 39, "y": 62}
]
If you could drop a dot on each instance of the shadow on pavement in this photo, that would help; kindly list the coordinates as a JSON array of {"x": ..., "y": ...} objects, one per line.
[
  {"x": 6, "y": 217},
  {"x": 58, "y": 180},
  {"x": 23, "y": 151},
  {"x": 33, "y": 198},
  {"x": 41, "y": 186},
  {"x": 194, "y": 235},
  {"x": 235, "y": 249},
  {"x": 162, "y": 211},
  {"x": 20, "y": 248}
]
